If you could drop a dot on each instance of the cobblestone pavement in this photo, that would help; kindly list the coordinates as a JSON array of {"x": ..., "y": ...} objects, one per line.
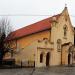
[{"x": 39, "y": 71}]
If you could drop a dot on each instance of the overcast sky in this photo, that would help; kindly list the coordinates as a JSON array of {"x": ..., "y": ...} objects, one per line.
[{"x": 41, "y": 8}]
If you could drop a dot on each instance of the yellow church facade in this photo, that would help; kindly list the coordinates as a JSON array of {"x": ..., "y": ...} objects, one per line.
[{"x": 49, "y": 42}]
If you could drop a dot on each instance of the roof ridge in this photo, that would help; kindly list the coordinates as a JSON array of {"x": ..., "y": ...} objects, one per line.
[
  {"x": 33, "y": 28},
  {"x": 37, "y": 22}
]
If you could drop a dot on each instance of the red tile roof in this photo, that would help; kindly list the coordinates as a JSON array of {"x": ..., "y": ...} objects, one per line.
[{"x": 33, "y": 28}]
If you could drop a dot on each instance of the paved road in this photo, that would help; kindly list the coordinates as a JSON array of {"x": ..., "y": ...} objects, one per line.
[{"x": 39, "y": 71}]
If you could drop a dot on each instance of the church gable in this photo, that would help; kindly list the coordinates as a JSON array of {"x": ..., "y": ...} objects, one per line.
[
  {"x": 62, "y": 29},
  {"x": 68, "y": 28},
  {"x": 65, "y": 19},
  {"x": 63, "y": 25}
]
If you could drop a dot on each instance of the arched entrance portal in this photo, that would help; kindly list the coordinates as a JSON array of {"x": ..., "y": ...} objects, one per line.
[
  {"x": 69, "y": 59},
  {"x": 47, "y": 59}
]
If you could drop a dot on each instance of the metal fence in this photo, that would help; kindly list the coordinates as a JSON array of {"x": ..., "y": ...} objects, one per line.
[
  {"x": 20, "y": 63},
  {"x": 27, "y": 64}
]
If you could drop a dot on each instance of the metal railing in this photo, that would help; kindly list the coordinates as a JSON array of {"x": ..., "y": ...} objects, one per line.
[{"x": 27, "y": 63}]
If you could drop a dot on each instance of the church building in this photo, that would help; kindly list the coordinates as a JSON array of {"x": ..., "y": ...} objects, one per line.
[{"x": 49, "y": 42}]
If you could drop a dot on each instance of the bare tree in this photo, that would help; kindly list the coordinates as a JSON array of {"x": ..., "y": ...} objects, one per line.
[
  {"x": 5, "y": 26},
  {"x": 5, "y": 29}
]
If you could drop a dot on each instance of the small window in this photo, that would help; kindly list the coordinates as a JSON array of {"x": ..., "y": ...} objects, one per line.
[
  {"x": 65, "y": 30},
  {"x": 45, "y": 38},
  {"x": 41, "y": 58},
  {"x": 39, "y": 41},
  {"x": 59, "y": 45}
]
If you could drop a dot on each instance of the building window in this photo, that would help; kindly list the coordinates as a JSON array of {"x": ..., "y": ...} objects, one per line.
[
  {"x": 41, "y": 57},
  {"x": 59, "y": 45},
  {"x": 46, "y": 40},
  {"x": 39, "y": 41},
  {"x": 65, "y": 30}
]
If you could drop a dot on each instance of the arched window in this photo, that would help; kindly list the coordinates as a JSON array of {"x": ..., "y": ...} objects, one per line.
[
  {"x": 65, "y": 30},
  {"x": 41, "y": 57},
  {"x": 59, "y": 44},
  {"x": 46, "y": 40}
]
